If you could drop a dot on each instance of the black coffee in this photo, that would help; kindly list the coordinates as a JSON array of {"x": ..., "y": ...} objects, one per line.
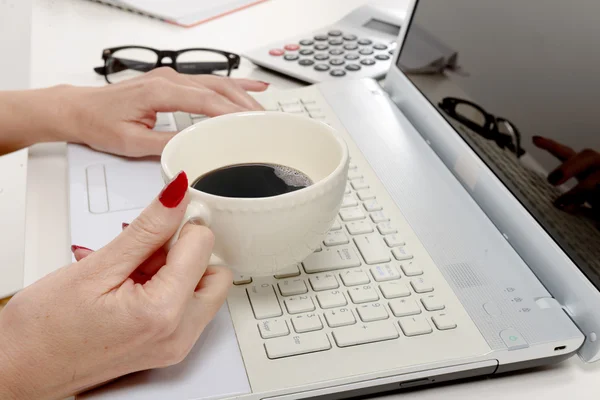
[{"x": 252, "y": 181}]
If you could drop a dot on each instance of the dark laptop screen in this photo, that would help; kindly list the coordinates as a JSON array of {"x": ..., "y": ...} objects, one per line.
[{"x": 519, "y": 82}]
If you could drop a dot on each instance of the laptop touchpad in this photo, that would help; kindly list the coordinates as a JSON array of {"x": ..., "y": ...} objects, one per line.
[{"x": 121, "y": 186}]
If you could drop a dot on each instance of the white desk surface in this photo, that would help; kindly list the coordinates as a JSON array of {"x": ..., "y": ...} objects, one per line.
[{"x": 68, "y": 37}]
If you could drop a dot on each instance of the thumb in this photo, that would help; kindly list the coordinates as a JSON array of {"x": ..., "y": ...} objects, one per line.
[{"x": 146, "y": 234}]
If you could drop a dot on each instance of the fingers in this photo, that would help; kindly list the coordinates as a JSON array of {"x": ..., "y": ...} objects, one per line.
[
  {"x": 146, "y": 234},
  {"x": 251, "y": 85},
  {"x": 233, "y": 91},
  {"x": 558, "y": 150},
  {"x": 187, "y": 260},
  {"x": 143, "y": 142},
  {"x": 579, "y": 166},
  {"x": 585, "y": 191}
]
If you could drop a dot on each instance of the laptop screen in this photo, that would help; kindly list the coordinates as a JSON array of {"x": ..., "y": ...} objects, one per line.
[{"x": 519, "y": 83}]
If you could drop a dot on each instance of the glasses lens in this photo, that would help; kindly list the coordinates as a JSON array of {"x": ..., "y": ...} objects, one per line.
[
  {"x": 196, "y": 62},
  {"x": 470, "y": 113},
  {"x": 128, "y": 63}
]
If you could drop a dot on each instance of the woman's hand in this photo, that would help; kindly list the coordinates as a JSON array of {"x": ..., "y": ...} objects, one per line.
[
  {"x": 126, "y": 307},
  {"x": 118, "y": 118}
]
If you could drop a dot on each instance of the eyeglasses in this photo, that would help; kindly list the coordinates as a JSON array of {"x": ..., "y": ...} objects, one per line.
[
  {"x": 474, "y": 117},
  {"x": 126, "y": 62}
]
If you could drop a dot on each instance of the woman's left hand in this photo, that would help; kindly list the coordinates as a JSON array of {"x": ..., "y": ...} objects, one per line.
[{"x": 120, "y": 118}]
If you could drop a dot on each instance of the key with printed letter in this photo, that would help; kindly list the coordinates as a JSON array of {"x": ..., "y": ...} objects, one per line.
[
  {"x": 331, "y": 258},
  {"x": 297, "y": 344},
  {"x": 264, "y": 301}
]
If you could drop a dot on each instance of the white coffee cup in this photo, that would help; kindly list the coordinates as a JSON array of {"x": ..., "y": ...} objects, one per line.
[{"x": 260, "y": 236}]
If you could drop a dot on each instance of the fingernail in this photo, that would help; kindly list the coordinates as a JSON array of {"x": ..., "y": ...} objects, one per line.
[
  {"x": 75, "y": 247},
  {"x": 555, "y": 177},
  {"x": 174, "y": 192},
  {"x": 124, "y": 225},
  {"x": 265, "y": 83}
]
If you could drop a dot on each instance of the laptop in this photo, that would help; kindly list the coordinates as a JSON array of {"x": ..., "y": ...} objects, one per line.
[{"x": 448, "y": 259}]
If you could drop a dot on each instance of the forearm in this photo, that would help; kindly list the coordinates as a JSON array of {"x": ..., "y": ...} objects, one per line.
[{"x": 32, "y": 116}]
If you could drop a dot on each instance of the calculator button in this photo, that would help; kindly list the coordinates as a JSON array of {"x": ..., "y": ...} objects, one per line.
[
  {"x": 321, "y": 38},
  {"x": 335, "y": 33},
  {"x": 367, "y": 61},
  {"x": 349, "y": 37},
  {"x": 276, "y": 52},
  {"x": 351, "y": 46},
  {"x": 366, "y": 52},
  {"x": 391, "y": 52},
  {"x": 306, "y": 62},
  {"x": 351, "y": 57},
  {"x": 382, "y": 57},
  {"x": 321, "y": 57},
  {"x": 336, "y": 42},
  {"x": 306, "y": 52},
  {"x": 321, "y": 67},
  {"x": 337, "y": 61},
  {"x": 336, "y": 52},
  {"x": 379, "y": 46},
  {"x": 291, "y": 57},
  {"x": 352, "y": 67},
  {"x": 291, "y": 47},
  {"x": 306, "y": 42},
  {"x": 364, "y": 42},
  {"x": 337, "y": 72},
  {"x": 321, "y": 47}
]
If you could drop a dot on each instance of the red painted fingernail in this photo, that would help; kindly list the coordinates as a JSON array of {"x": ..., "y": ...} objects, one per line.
[
  {"x": 174, "y": 192},
  {"x": 265, "y": 83},
  {"x": 124, "y": 225},
  {"x": 75, "y": 247}
]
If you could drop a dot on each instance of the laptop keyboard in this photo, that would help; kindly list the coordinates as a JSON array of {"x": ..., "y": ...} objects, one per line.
[{"x": 362, "y": 286}]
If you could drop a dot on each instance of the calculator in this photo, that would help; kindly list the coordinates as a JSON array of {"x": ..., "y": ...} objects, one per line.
[{"x": 360, "y": 45}]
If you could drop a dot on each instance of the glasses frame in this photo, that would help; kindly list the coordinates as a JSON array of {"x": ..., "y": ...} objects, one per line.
[
  {"x": 490, "y": 129},
  {"x": 233, "y": 60}
]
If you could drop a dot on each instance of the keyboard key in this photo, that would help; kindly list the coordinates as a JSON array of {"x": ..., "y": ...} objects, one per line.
[
  {"x": 404, "y": 307},
  {"x": 379, "y": 216},
  {"x": 352, "y": 175},
  {"x": 335, "y": 238},
  {"x": 432, "y": 303},
  {"x": 392, "y": 290},
  {"x": 331, "y": 299},
  {"x": 394, "y": 240},
  {"x": 363, "y": 294},
  {"x": 352, "y": 166},
  {"x": 372, "y": 205},
  {"x": 365, "y": 194},
  {"x": 443, "y": 322},
  {"x": 336, "y": 226},
  {"x": 331, "y": 259},
  {"x": 300, "y": 304},
  {"x": 372, "y": 249},
  {"x": 323, "y": 282},
  {"x": 292, "y": 108},
  {"x": 420, "y": 285},
  {"x": 297, "y": 344},
  {"x": 359, "y": 227},
  {"x": 289, "y": 272},
  {"x": 372, "y": 312},
  {"x": 264, "y": 301},
  {"x": 365, "y": 333},
  {"x": 385, "y": 228},
  {"x": 351, "y": 214},
  {"x": 385, "y": 272},
  {"x": 348, "y": 189},
  {"x": 307, "y": 323},
  {"x": 359, "y": 184},
  {"x": 292, "y": 287},
  {"x": 414, "y": 326},
  {"x": 341, "y": 317},
  {"x": 401, "y": 254},
  {"x": 241, "y": 279},
  {"x": 349, "y": 201},
  {"x": 354, "y": 277},
  {"x": 271, "y": 328}
]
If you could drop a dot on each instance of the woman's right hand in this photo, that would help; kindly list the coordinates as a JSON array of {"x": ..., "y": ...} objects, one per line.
[{"x": 126, "y": 307}]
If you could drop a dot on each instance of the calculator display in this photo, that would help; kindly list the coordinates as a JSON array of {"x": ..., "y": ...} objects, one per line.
[{"x": 384, "y": 27}]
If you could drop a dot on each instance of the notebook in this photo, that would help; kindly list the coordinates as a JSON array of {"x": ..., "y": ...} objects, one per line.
[{"x": 185, "y": 13}]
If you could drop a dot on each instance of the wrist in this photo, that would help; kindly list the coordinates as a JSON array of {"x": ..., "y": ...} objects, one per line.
[{"x": 12, "y": 384}]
